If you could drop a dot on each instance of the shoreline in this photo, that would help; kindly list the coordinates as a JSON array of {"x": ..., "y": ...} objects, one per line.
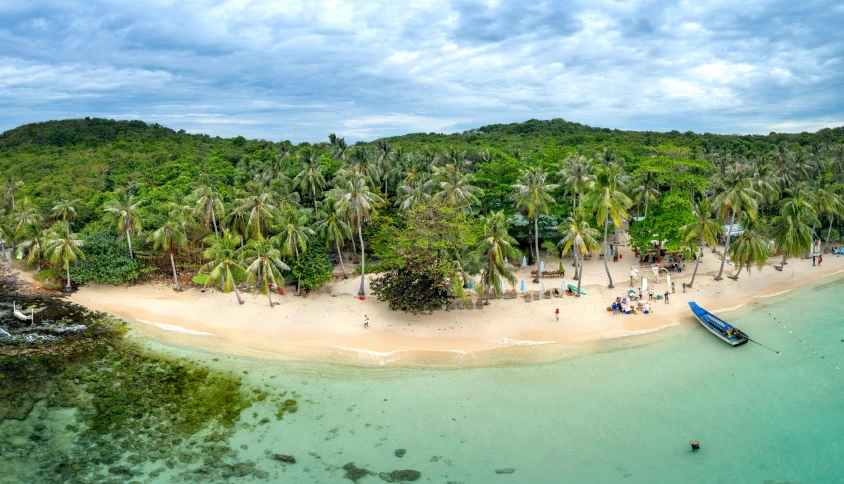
[{"x": 327, "y": 325}]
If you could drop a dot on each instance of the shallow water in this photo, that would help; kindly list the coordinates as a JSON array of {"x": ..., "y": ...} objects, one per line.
[{"x": 622, "y": 414}]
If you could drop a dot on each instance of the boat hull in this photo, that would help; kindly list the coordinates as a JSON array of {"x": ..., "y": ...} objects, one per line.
[{"x": 703, "y": 316}]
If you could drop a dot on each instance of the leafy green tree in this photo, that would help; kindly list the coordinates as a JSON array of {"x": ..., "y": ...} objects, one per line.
[
  {"x": 705, "y": 228},
  {"x": 578, "y": 238},
  {"x": 224, "y": 266},
  {"x": 533, "y": 196},
  {"x": 412, "y": 194},
  {"x": 577, "y": 176},
  {"x": 453, "y": 187},
  {"x": 262, "y": 212},
  {"x": 736, "y": 198},
  {"x": 353, "y": 194},
  {"x": 264, "y": 265},
  {"x": 609, "y": 202},
  {"x": 105, "y": 261},
  {"x": 62, "y": 248},
  {"x": 331, "y": 228},
  {"x": 33, "y": 242},
  {"x": 26, "y": 215},
  {"x": 830, "y": 204},
  {"x": 312, "y": 268},
  {"x": 495, "y": 247},
  {"x": 646, "y": 189},
  {"x": 124, "y": 210},
  {"x": 295, "y": 236},
  {"x": 169, "y": 238}
]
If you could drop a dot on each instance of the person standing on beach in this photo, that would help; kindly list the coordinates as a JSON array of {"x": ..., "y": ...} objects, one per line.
[
  {"x": 673, "y": 288},
  {"x": 650, "y": 294},
  {"x": 557, "y": 314},
  {"x": 365, "y": 321},
  {"x": 684, "y": 288},
  {"x": 814, "y": 260},
  {"x": 820, "y": 259},
  {"x": 666, "y": 297}
]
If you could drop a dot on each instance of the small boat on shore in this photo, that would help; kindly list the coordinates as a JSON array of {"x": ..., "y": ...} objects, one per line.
[{"x": 718, "y": 326}]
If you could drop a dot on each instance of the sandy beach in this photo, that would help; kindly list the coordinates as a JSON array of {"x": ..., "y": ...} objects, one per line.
[{"x": 328, "y": 324}]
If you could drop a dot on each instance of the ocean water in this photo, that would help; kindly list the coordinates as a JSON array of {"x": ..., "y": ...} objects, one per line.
[{"x": 622, "y": 412}]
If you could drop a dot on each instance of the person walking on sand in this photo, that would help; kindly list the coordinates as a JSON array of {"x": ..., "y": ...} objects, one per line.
[
  {"x": 650, "y": 294},
  {"x": 666, "y": 297},
  {"x": 673, "y": 288},
  {"x": 684, "y": 288},
  {"x": 820, "y": 259},
  {"x": 814, "y": 260},
  {"x": 365, "y": 321},
  {"x": 557, "y": 314}
]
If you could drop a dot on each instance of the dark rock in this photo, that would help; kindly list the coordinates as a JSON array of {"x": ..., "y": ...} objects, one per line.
[
  {"x": 354, "y": 473},
  {"x": 40, "y": 427},
  {"x": 400, "y": 452},
  {"x": 284, "y": 458},
  {"x": 400, "y": 476},
  {"x": 243, "y": 470},
  {"x": 506, "y": 470},
  {"x": 119, "y": 470},
  {"x": 261, "y": 474}
]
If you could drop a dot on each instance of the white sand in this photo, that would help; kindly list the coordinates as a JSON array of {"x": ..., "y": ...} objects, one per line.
[{"x": 328, "y": 324}]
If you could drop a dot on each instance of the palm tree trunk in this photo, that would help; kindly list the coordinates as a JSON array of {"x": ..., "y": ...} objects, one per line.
[
  {"x": 175, "y": 279},
  {"x": 829, "y": 231},
  {"x": 3, "y": 248},
  {"x": 67, "y": 270},
  {"x": 129, "y": 241},
  {"x": 361, "y": 292},
  {"x": 313, "y": 191},
  {"x": 605, "y": 247},
  {"x": 697, "y": 263},
  {"x": 647, "y": 199},
  {"x": 536, "y": 243},
  {"x": 726, "y": 246},
  {"x": 735, "y": 276},
  {"x": 237, "y": 293},
  {"x": 580, "y": 278},
  {"x": 214, "y": 218},
  {"x": 298, "y": 279},
  {"x": 576, "y": 267},
  {"x": 354, "y": 246},
  {"x": 269, "y": 297},
  {"x": 340, "y": 255}
]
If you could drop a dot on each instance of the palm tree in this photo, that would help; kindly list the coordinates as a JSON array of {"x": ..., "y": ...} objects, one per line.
[
  {"x": 63, "y": 248},
  {"x": 224, "y": 267},
  {"x": 4, "y": 234},
  {"x": 752, "y": 247},
  {"x": 25, "y": 215},
  {"x": 454, "y": 187},
  {"x": 532, "y": 195},
  {"x": 705, "y": 230},
  {"x": 360, "y": 161},
  {"x": 577, "y": 177},
  {"x": 33, "y": 241},
  {"x": 790, "y": 229},
  {"x": 264, "y": 265},
  {"x": 578, "y": 238},
  {"x": 332, "y": 229},
  {"x": 310, "y": 177},
  {"x": 384, "y": 159},
  {"x": 261, "y": 214},
  {"x": 208, "y": 203},
  {"x": 9, "y": 187},
  {"x": 295, "y": 235},
  {"x": 353, "y": 195},
  {"x": 413, "y": 193},
  {"x": 830, "y": 204},
  {"x": 64, "y": 210},
  {"x": 495, "y": 248},
  {"x": 168, "y": 238},
  {"x": 609, "y": 202},
  {"x": 124, "y": 210},
  {"x": 737, "y": 198},
  {"x": 339, "y": 148},
  {"x": 647, "y": 189}
]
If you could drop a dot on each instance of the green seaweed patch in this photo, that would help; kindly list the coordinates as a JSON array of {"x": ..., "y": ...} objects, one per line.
[{"x": 287, "y": 406}]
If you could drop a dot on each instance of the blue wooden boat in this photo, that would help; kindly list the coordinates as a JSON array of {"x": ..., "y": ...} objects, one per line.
[{"x": 718, "y": 326}]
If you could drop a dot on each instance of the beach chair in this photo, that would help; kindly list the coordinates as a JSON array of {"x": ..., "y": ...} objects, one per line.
[
  {"x": 452, "y": 306},
  {"x": 469, "y": 304},
  {"x": 558, "y": 293},
  {"x": 460, "y": 304},
  {"x": 547, "y": 295},
  {"x": 527, "y": 297},
  {"x": 479, "y": 304},
  {"x": 536, "y": 295}
]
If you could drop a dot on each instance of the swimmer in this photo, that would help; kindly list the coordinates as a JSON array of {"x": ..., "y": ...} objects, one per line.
[{"x": 695, "y": 445}]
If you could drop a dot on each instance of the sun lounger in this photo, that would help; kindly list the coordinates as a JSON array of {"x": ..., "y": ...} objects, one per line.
[
  {"x": 509, "y": 294},
  {"x": 547, "y": 295},
  {"x": 479, "y": 304},
  {"x": 527, "y": 297},
  {"x": 452, "y": 305},
  {"x": 536, "y": 295},
  {"x": 469, "y": 304},
  {"x": 460, "y": 304}
]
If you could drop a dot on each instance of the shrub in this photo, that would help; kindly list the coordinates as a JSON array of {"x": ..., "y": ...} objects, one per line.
[{"x": 106, "y": 261}]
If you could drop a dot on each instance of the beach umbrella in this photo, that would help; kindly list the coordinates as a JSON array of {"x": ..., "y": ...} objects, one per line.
[
  {"x": 501, "y": 285},
  {"x": 524, "y": 261},
  {"x": 668, "y": 280},
  {"x": 542, "y": 266},
  {"x": 469, "y": 285},
  {"x": 543, "y": 287},
  {"x": 522, "y": 287},
  {"x": 564, "y": 284},
  {"x": 644, "y": 285}
]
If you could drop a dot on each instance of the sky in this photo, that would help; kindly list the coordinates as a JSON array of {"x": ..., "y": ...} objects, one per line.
[{"x": 365, "y": 69}]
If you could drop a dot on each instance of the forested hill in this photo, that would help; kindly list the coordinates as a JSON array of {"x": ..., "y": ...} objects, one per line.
[{"x": 86, "y": 159}]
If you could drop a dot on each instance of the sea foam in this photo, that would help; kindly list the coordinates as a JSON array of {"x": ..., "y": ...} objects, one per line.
[
  {"x": 178, "y": 329},
  {"x": 623, "y": 333},
  {"x": 507, "y": 342}
]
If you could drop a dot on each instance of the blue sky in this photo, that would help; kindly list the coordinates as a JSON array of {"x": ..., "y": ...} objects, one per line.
[{"x": 366, "y": 69}]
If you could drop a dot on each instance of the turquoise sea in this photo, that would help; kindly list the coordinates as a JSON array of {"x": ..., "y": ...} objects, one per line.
[{"x": 624, "y": 412}]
